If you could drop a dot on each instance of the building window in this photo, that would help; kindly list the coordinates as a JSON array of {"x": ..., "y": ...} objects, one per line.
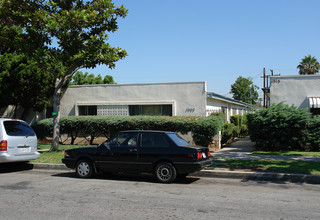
[
  {"x": 161, "y": 110},
  {"x": 119, "y": 110},
  {"x": 88, "y": 110}
]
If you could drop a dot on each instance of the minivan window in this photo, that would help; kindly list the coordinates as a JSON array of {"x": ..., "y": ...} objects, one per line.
[{"x": 18, "y": 128}]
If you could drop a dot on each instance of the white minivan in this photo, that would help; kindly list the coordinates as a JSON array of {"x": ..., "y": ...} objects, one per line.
[{"x": 18, "y": 142}]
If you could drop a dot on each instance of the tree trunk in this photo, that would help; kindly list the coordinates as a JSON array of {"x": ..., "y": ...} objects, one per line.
[
  {"x": 25, "y": 113},
  {"x": 56, "y": 115}
]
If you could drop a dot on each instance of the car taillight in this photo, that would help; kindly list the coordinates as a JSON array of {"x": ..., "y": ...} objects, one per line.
[
  {"x": 3, "y": 146},
  {"x": 208, "y": 154},
  {"x": 199, "y": 154}
]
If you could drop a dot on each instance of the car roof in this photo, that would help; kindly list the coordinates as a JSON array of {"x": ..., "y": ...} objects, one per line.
[
  {"x": 146, "y": 131},
  {"x": 9, "y": 119}
]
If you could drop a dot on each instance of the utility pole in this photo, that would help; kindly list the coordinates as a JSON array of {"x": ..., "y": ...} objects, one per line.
[{"x": 266, "y": 88}]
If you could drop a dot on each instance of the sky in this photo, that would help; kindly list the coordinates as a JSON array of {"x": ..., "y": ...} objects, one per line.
[{"x": 213, "y": 41}]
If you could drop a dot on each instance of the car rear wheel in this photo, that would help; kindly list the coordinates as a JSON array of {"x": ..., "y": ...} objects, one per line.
[
  {"x": 165, "y": 172},
  {"x": 84, "y": 168}
]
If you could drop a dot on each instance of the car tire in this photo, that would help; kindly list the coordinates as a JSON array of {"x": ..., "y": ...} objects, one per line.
[
  {"x": 84, "y": 168},
  {"x": 165, "y": 172}
]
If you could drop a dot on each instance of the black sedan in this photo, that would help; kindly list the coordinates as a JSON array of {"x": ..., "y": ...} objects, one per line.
[{"x": 165, "y": 154}]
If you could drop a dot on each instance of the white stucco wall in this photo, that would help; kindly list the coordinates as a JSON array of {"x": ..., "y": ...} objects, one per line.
[
  {"x": 294, "y": 90},
  {"x": 216, "y": 105},
  {"x": 187, "y": 98}
]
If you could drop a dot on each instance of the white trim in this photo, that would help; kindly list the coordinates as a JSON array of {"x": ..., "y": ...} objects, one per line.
[{"x": 314, "y": 102}]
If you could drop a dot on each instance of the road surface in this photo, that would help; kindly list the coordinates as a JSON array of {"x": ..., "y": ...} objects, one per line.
[{"x": 45, "y": 195}]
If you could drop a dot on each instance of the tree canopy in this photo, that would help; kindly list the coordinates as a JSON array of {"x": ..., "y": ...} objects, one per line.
[
  {"x": 308, "y": 66},
  {"x": 62, "y": 37},
  {"x": 24, "y": 84},
  {"x": 244, "y": 90},
  {"x": 80, "y": 78}
]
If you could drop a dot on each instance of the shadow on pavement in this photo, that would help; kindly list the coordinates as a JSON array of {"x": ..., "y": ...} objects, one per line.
[
  {"x": 15, "y": 167},
  {"x": 129, "y": 177}
]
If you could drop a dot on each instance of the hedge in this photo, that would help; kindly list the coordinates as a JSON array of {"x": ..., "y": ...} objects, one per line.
[
  {"x": 282, "y": 127},
  {"x": 203, "y": 129},
  {"x": 312, "y": 135}
]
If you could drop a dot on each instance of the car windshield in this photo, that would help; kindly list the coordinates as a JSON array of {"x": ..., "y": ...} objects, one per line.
[
  {"x": 177, "y": 139},
  {"x": 18, "y": 128}
]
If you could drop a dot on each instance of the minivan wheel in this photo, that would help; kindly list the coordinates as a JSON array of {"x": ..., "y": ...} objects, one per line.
[
  {"x": 84, "y": 168},
  {"x": 165, "y": 172}
]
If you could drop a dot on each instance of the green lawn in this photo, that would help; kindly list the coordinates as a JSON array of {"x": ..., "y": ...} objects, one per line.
[
  {"x": 287, "y": 153},
  {"x": 55, "y": 156},
  {"x": 282, "y": 166}
]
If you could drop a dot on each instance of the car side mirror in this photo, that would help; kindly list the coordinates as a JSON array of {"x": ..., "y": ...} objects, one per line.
[{"x": 106, "y": 145}]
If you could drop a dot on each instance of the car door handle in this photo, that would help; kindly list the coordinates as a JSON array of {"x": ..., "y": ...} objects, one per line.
[{"x": 133, "y": 150}]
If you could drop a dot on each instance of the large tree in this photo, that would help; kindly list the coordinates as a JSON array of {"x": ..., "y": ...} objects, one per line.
[
  {"x": 244, "y": 90},
  {"x": 308, "y": 66},
  {"x": 80, "y": 78},
  {"x": 63, "y": 36},
  {"x": 24, "y": 84}
]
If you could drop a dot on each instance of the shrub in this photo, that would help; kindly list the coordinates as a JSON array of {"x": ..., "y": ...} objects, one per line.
[
  {"x": 203, "y": 129},
  {"x": 244, "y": 130},
  {"x": 227, "y": 132},
  {"x": 278, "y": 127},
  {"x": 312, "y": 134},
  {"x": 238, "y": 120}
]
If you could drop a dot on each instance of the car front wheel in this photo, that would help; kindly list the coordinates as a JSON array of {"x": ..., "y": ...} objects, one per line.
[
  {"x": 165, "y": 172},
  {"x": 84, "y": 169}
]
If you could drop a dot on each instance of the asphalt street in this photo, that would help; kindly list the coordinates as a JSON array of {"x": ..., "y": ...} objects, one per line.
[{"x": 58, "y": 194}]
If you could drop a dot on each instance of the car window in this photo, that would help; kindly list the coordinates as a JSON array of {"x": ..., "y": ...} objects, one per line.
[
  {"x": 124, "y": 140},
  {"x": 18, "y": 128},
  {"x": 154, "y": 140},
  {"x": 177, "y": 139}
]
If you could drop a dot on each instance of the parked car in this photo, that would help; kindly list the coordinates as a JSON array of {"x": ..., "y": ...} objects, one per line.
[
  {"x": 18, "y": 142},
  {"x": 165, "y": 154}
]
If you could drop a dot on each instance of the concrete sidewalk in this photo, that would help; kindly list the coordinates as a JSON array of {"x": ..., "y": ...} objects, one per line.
[{"x": 242, "y": 150}]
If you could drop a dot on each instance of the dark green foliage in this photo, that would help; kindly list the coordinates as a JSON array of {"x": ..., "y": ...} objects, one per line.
[
  {"x": 244, "y": 131},
  {"x": 244, "y": 90},
  {"x": 23, "y": 83},
  {"x": 309, "y": 65},
  {"x": 43, "y": 128},
  {"x": 203, "y": 128},
  {"x": 80, "y": 78},
  {"x": 312, "y": 135},
  {"x": 227, "y": 133},
  {"x": 278, "y": 127},
  {"x": 240, "y": 121}
]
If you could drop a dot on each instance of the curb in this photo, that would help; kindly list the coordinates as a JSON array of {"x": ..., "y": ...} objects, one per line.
[
  {"x": 260, "y": 176},
  {"x": 49, "y": 166},
  {"x": 237, "y": 174}
]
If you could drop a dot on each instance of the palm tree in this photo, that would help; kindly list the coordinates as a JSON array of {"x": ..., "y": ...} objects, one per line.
[{"x": 308, "y": 65}]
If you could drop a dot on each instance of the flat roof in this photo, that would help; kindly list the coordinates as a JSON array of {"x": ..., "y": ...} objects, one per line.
[
  {"x": 227, "y": 99},
  {"x": 139, "y": 84}
]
